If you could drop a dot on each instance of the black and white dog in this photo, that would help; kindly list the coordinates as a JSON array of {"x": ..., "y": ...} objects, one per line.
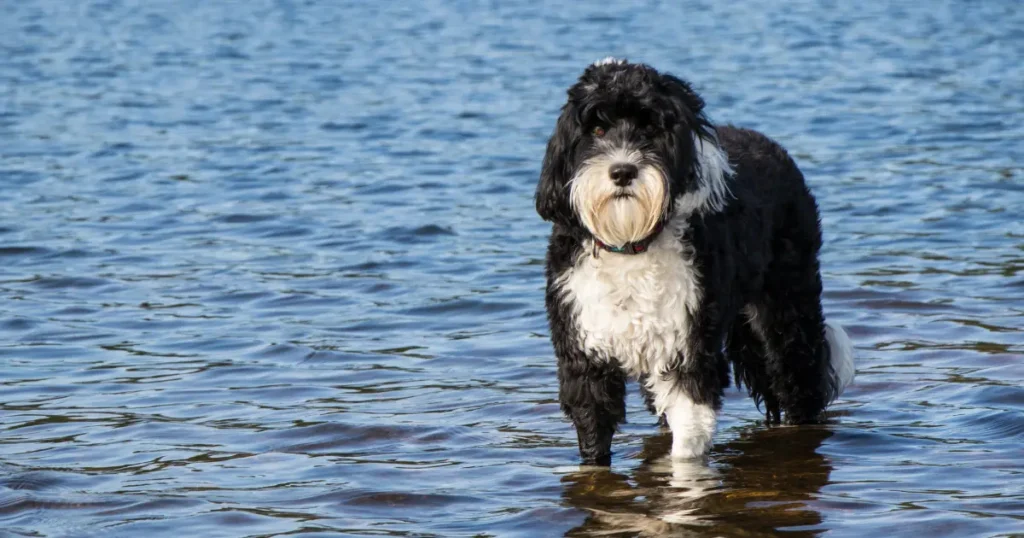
[{"x": 679, "y": 247}]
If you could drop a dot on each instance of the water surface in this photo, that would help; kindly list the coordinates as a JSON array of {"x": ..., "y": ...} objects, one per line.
[{"x": 273, "y": 268}]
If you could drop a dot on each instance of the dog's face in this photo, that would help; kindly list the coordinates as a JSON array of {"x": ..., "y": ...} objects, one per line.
[{"x": 628, "y": 143}]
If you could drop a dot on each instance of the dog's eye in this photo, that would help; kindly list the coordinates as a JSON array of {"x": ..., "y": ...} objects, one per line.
[{"x": 599, "y": 131}]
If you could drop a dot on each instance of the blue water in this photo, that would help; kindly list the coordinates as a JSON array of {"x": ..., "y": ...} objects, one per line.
[{"x": 273, "y": 268}]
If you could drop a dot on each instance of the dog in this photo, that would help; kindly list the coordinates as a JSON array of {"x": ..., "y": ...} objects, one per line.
[{"x": 677, "y": 248}]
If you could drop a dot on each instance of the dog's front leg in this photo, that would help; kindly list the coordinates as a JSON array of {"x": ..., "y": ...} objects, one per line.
[
  {"x": 691, "y": 393},
  {"x": 593, "y": 396}
]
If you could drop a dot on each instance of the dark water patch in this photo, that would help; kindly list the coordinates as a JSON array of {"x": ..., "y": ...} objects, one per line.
[
  {"x": 243, "y": 218},
  {"x": 19, "y": 252},
  {"x": 67, "y": 282},
  {"x": 344, "y": 126},
  {"x": 418, "y": 234}
]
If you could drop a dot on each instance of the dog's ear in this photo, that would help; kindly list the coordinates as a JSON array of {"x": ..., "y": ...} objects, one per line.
[
  {"x": 552, "y": 196},
  {"x": 688, "y": 122},
  {"x": 687, "y": 107},
  {"x": 685, "y": 101}
]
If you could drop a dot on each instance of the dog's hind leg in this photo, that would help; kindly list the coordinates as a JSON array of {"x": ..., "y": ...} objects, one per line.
[
  {"x": 593, "y": 396},
  {"x": 790, "y": 321},
  {"x": 746, "y": 352}
]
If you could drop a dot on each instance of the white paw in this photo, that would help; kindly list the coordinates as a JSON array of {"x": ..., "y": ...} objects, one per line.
[
  {"x": 689, "y": 448},
  {"x": 693, "y": 427}
]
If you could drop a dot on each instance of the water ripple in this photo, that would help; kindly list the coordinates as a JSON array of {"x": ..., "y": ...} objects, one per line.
[{"x": 274, "y": 268}]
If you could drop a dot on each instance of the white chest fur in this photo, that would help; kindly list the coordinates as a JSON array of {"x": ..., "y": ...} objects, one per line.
[{"x": 634, "y": 309}]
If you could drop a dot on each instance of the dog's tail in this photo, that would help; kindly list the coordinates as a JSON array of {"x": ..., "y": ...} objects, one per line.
[{"x": 840, "y": 352}]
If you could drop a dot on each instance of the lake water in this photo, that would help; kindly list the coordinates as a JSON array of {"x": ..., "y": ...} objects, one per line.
[{"x": 273, "y": 268}]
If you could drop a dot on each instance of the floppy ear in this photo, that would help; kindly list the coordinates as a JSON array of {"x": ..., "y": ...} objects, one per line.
[
  {"x": 686, "y": 103},
  {"x": 552, "y": 196},
  {"x": 697, "y": 136},
  {"x": 689, "y": 120}
]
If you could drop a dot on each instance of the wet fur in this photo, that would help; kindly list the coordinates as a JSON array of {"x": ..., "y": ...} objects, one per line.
[{"x": 736, "y": 268}]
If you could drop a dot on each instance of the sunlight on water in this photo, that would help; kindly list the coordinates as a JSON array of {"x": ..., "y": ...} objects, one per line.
[{"x": 274, "y": 267}]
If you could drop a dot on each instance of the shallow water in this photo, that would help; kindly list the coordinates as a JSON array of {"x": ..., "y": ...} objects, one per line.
[{"x": 273, "y": 267}]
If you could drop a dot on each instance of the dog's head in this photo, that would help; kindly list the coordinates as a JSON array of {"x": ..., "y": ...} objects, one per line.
[{"x": 631, "y": 146}]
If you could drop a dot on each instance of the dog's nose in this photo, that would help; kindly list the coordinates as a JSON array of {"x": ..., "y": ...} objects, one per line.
[{"x": 623, "y": 173}]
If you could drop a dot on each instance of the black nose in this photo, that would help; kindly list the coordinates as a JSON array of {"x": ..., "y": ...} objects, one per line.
[{"x": 623, "y": 173}]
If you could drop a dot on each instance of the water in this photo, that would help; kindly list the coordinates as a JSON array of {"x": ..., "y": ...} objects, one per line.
[{"x": 273, "y": 268}]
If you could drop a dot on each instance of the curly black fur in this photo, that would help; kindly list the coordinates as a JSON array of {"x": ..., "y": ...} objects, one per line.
[{"x": 757, "y": 256}]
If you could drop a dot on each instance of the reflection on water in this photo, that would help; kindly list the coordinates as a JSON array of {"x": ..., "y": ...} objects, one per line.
[
  {"x": 273, "y": 267},
  {"x": 763, "y": 481}
]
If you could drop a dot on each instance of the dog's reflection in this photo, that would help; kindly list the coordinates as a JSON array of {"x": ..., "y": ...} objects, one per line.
[{"x": 752, "y": 486}]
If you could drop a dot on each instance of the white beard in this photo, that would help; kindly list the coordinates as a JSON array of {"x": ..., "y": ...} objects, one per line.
[
  {"x": 613, "y": 219},
  {"x": 616, "y": 220}
]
